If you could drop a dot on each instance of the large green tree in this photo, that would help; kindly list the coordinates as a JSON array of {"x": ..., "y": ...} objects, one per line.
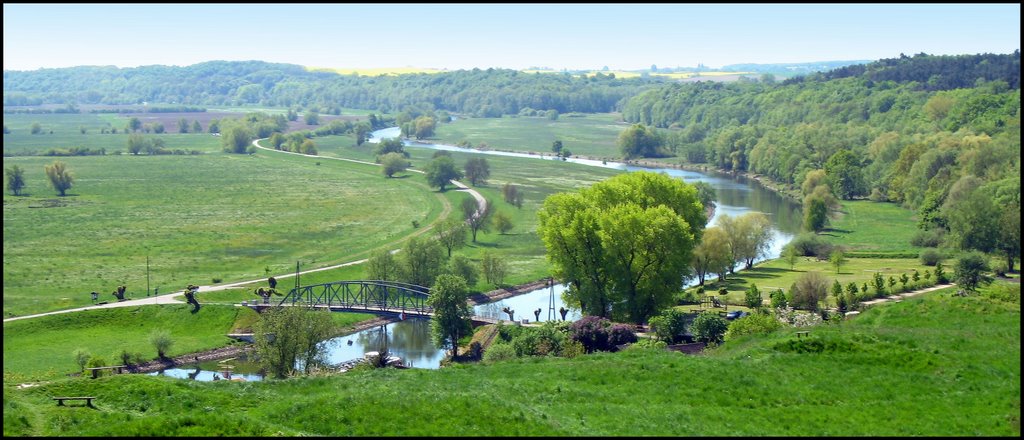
[
  {"x": 712, "y": 254},
  {"x": 477, "y": 170},
  {"x": 287, "y": 338},
  {"x": 441, "y": 170},
  {"x": 624, "y": 244},
  {"x": 845, "y": 175},
  {"x": 451, "y": 234},
  {"x": 451, "y": 311},
  {"x": 640, "y": 141}
]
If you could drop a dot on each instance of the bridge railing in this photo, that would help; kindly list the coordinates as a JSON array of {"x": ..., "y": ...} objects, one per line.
[{"x": 385, "y": 296}]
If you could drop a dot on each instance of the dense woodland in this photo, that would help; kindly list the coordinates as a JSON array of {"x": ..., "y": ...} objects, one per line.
[
  {"x": 937, "y": 134},
  {"x": 486, "y": 93}
]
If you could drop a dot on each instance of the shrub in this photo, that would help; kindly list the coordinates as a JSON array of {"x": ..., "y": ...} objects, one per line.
[
  {"x": 811, "y": 245},
  {"x": 549, "y": 339},
  {"x": 81, "y": 358},
  {"x": 648, "y": 344},
  {"x": 969, "y": 271},
  {"x": 708, "y": 327},
  {"x": 161, "y": 340},
  {"x": 499, "y": 352},
  {"x": 590, "y": 331},
  {"x": 687, "y": 296},
  {"x": 930, "y": 256},
  {"x": 778, "y": 298},
  {"x": 669, "y": 326},
  {"x": 808, "y": 290},
  {"x": 620, "y": 334},
  {"x": 752, "y": 324},
  {"x": 752, "y": 298},
  {"x": 927, "y": 239},
  {"x": 571, "y": 349}
]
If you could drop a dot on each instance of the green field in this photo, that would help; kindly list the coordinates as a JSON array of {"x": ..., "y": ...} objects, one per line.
[
  {"x": 591, "y": 135},
  {"x": 41, "y": 348},
  {"x": 197, "y": 218},
  {"x": 935, "y": 365},
  {"x": 873, "y": 228}
]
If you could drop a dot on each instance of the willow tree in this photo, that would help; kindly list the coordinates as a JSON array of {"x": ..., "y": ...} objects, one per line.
[
  {"x": 59, "y": 176},
  {"x": 624, "y": 244}
]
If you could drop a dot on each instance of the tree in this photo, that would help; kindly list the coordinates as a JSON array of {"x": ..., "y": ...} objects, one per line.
[
  {"x": 551, "y": 114},
  {"x": 845, "y": 176},
  {"x": 640, "y": 141},
  {"x": 307, "y": 147},
  {"x": 134, "y": 124},
  {"x": 15, "y": 179},
  {"x": 494, "y": 268},
  {"x": 392, "y": 145},
  {"x": 790, "y": 255},
  {"x": 158, "y": 128},
  {"x": 969, "y": 271},
  {"x": 837, "y": 259},
  {"x": 276, "y": 140},
  {"x": 421, "y": 260},
  {"x": 382, "y": 265},
  {"x": 815, "y": 214},
  {"x": 972, "y": 216},
  {"x": 477, "y": 220},
  {"x": 312, "y": 117},
  {"x": 36, "y": 128},
  {"x": 1008, "y": 240},
  {"x": 440, "y": 171},
  {"x": 196, "y": 126},
  {"x": 362, "y": 131},
  {"x": 463, "y": 267},
  {"x": 136, "y": 143},
  {"x": 556, "y": 147},
  {"x": 161, "y": 340},
  {"x": 81, "y": 356},
  {"x": 709, "y": 328},
  {"x": 287, "y": 338},
  {"x": 754, "y": 237},
  {"x": 477, "y": 170},
  {"x": 451, "y": 234},
  {"x": 60, "y": 177},
  {"x": 502, "y": 222},
  {"x": 451, "y": 311},
  {"x": 878, "y": 282},
  {"x": 623, "y": 244},
  {"x": 808, "y": 291},
  {"x": 424, "y": 127},
  {"x": 712, "y": 254},
  {"x": 778, "y": 298},
  {"x": 392, "y": 163},
  {"x": 235, "y": 138},
  {"x": 182, "y": 125},
  {"x": 753, "y": 298}
]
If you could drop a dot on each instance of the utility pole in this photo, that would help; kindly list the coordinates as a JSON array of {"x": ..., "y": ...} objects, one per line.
[{"x": 551, "y": 299}]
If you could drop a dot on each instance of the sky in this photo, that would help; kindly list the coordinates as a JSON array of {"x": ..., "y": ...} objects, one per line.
[{"x": 517, "y": 36}]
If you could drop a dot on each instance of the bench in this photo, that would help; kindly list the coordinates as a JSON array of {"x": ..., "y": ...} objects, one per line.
[
  {"x": 802, "y": 334},
  {"x": 96, "y": 370},
  {"x": 60, "y": 400}
]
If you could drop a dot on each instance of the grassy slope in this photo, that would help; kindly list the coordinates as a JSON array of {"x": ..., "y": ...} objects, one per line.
[
  {"x": 932, "y": 365},
  {"x": 41, "y": 348},
  {"x": 197, "y": 218}
]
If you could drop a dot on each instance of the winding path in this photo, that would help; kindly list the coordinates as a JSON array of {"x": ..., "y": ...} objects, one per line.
[{"x": 170, "y": 298}]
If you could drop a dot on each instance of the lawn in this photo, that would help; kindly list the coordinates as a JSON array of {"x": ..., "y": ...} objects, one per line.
[
  {"x": 935, "y": 365},
  {"x": 197, "y": 218},
  {"x": 874, "y": 228}
]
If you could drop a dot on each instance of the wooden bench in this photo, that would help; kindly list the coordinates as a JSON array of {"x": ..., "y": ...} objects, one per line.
[
  {"x": 802, "y": 334},
  {"x": 60, "y": 400},
  {"x": 96, "y": 370}
]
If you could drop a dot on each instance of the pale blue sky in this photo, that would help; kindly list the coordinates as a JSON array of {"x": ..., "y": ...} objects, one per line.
[{"x": 461, "y": 36}]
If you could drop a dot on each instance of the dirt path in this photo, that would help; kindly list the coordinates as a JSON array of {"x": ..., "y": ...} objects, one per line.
[{"x": 905, "y": 295}]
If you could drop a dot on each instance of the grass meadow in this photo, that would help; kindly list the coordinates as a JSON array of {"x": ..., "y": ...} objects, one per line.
[
  {"x": 41, "y": 348},
  {"x": 591, "y": 135},
  {"x": 198, "y": 218},
  {"x": 912, "y": 368}
]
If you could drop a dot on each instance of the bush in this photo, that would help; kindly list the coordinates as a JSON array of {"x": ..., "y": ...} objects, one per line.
[
  {"x": 620, "y": 334},
  {"x": 571, "y": 349},
  {"x": 931, "y": 256},
  {"x": 161, "y": 340},
  {"x": 590, "y": 331},
  {"x": 82, "y": 357},
  {"x": 757, "y": 323},
  {"x": 499, "y": 352},
  {"x": 752, "y": 298},
  {"x": 927, "y": 239},
  {"x": 648, "y": 344},
  {"x": 811, "y": 245},
  {"x": 809, "y": 290},
  {"x": 709, "y": 328},
  {"x": 669, "y": 326},
  {"x": 687, "y": 296}
]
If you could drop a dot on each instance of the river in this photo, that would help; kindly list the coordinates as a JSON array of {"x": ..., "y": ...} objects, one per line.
[{"x": 410, "y": 339}]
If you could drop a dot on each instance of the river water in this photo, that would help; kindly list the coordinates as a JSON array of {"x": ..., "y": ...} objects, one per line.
[{"x": 410, "y": 339}]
